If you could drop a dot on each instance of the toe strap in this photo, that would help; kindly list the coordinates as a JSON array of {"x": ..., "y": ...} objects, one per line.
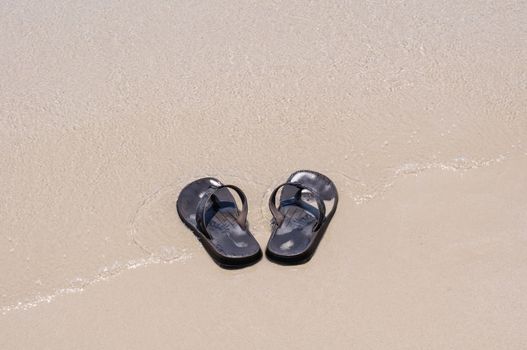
[
  {"x": 208, "y": 195},
  {"x": 279, "y": 217}
]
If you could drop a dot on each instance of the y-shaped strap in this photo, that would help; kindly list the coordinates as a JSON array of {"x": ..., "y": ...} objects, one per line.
[
  {"x": 200, "y": 210},
  {"x": 279, "y": 217}
]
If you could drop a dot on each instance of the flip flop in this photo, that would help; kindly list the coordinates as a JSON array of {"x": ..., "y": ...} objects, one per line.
[
  {"x": 208, "y": 208},
  {"x": 302, "y": 217}
]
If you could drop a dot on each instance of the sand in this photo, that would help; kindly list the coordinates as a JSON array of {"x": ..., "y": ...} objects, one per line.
[{"x": 416, "y": 110}]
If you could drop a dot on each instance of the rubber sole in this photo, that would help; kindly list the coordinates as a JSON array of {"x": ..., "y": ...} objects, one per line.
[{"x": 222, "y": 261}]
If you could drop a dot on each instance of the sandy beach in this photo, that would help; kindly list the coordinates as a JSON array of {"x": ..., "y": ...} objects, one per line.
[{"x": 416, "y": 110}]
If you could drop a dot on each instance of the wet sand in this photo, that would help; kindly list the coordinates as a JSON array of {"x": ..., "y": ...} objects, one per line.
[{"x": 416, "y": 111}]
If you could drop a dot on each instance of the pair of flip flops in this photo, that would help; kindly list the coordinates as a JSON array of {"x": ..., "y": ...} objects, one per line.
[{"x": 302, "y": 216}]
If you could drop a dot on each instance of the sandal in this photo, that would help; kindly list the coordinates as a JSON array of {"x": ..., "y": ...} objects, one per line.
[
  {"x": 300, "y": 220},
  {"x": 208, "y": 208}
]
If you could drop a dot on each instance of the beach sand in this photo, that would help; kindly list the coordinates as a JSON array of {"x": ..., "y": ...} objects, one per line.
[{"x": 416, "y": 110}]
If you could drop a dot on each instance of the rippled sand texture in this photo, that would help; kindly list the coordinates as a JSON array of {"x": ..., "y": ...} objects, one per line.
[{"x": 417, "y": 110}]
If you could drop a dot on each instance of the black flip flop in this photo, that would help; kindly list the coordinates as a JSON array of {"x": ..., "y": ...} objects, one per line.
[
  {"x": 301, "y": 218},
  {"x": 208, "y": 208}
]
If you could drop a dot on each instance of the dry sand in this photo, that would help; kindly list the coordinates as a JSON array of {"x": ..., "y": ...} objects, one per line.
[{"x": 417, "y": 111}]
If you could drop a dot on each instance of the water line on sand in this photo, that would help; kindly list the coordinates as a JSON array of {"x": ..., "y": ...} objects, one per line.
[{"x": 79, "y": 285}]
